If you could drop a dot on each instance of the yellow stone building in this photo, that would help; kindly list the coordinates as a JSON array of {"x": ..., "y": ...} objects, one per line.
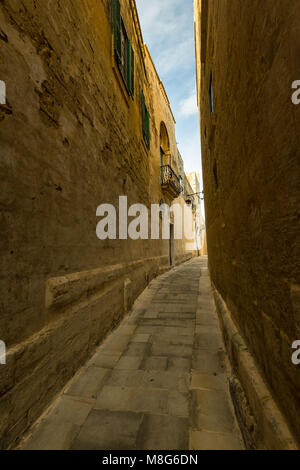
[
  {"x": 247, "y": 56},
  {"x": 86, "y": 120}
]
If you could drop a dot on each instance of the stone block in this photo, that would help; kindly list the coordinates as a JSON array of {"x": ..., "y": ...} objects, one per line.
[
  {"x": 141, "y": 338},
  {"x": 204, "y": 440},
  {"x": 209, "y": 381},
  {"x": 177, "y": 350},
  {"x": 155, "y": 363},
  {"x": 179, "y": 364},
  {"x": 208, "y": 361},
  {"x": 178, "y": 404},
  {"x": 137, "y": 349},
  {"x": 105, "y": 359},
  {"x": 163, "y": 433},
  {"x": 129, "y": 363},
  {"x": 108, "y": 430},
  {"x": 60, "y": 426},
  {"x": 125, "y": 378},
  {"x": 151, "y": 401},
  {"x": 88, "y": 382},
  {"x": 208, "y": 338},
  {"x": 211, "y": 411},
  {"x": 114, "y": 399},
  {"x": 166, "y": 380},
  {"x": 116, "y": 343}
]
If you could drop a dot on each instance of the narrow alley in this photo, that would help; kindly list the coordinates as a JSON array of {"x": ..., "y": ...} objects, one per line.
[
  {"x": 149, "y": 220},
  {"x": 158, "y": 382}
]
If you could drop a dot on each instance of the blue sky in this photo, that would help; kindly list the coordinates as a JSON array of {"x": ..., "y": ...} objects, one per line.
[{"x": 168, "y": 31}]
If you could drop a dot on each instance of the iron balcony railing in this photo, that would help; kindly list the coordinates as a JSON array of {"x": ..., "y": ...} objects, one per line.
[{"x": 169, "y": 178}]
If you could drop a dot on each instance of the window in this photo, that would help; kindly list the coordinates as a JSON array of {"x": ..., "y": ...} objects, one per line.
[
  {"x": 145, "y": 122},
  {"x": 122, "y": 48},
  {"x": 211, "y": 96},
  {"x": 181, "y": 184}
]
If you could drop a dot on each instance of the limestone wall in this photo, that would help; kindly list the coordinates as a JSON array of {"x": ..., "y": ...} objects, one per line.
[
  {"x": 250, "y": 150},
  {"x": 71, "y": 139}
]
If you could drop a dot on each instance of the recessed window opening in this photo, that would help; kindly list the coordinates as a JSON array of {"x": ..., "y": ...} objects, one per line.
[{"x": 211, "y": 96}]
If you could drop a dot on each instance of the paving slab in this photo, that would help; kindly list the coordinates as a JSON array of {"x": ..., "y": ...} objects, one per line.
[
  {"x": 58, "y": 430},
  {"x": 105, "y": 430},
  {"x": 178, "y": 404},
  {"x": 129, "y": 363},
  {"x": 162, "y": 379},
  {"x": 141, "y": 338},
  {"x": 152, "y": 401},
  {"x": 208, "y": 338},
  {"x": 155, "y": 363},
  {"x": 204, "y": 440},
  {"x": 176, "y": 364},
  {"x": 105, "y": 361},
  {"x": 125, "y": 378},
  {"x": 211, "y": 362},
  {"x": 158, "y": 382},
  {"x": 88, "y": 383},
  {"x": 163, "y": 433},
  {"x": 211, "y": 411},
  {"x": 137, "y": 349},
  {"x": 114, "y": 398},
  {"x": 208, "y": 381},
  {"x": 178, "y": 350},
  {"x": 117, "y": 343}
]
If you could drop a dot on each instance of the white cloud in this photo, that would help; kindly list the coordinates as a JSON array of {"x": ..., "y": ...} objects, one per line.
[
  {"x": 189, "y": 147},
  {"x": 188, "y": 106},
  {"x": 166, "y": 30}
]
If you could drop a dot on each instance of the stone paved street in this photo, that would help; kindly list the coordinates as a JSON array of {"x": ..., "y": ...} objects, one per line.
[{"x": 157, "y": 383}]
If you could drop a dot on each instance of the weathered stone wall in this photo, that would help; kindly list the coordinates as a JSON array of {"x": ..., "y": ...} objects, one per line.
[
  {"x": 71, "y": 139},
  {"x": 250, "y": 149}
]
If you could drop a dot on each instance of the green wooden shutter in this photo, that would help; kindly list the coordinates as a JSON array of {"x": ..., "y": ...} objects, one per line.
[
  {"x": 132, "y": 72},
  {"x": 129, "y": 78},
  {"x": 143, "y": 114},
  {"x": 148, "y": 128},
  {"x": 146, "y": 121},
  {"x": 117, "y": 27}
]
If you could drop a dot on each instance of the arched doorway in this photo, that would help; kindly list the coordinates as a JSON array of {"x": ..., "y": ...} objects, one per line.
[{"x": 164, "y": 161}]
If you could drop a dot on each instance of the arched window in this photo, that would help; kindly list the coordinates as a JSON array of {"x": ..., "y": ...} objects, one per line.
[
  {"x": 164, "y": 146},
  {"x": 164, "y": 139},
  {"x": 211, "y": 96}
]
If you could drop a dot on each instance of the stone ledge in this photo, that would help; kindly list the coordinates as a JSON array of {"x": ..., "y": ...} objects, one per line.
[
  {"x": 65, "y": 290},
  {"x": 90, "y": 305},
  {"x": 262, "y": 423},
  {"x": 183, "y": 258}
]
